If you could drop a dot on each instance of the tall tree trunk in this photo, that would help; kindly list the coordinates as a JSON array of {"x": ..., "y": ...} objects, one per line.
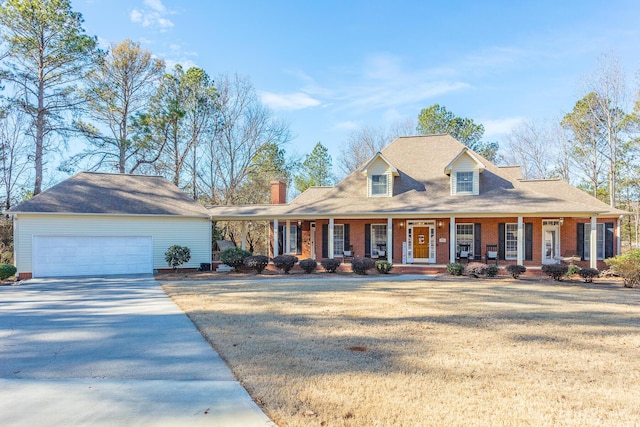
[{"x": 39, "y": 136}]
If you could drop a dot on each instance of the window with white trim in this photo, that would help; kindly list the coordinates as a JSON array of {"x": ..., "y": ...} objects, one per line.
[
  {"x": 378, "y": 239},
  {"x": 464, "y": 236},
  {"x": 379, "y": 185},
  {"x": 464, "y": 182},
  {"x": 338, "y": 239},
  {"x": 511, "y": 241},
  {"x": 293, "y": 238},
  {"x": 599, "y": 241}
]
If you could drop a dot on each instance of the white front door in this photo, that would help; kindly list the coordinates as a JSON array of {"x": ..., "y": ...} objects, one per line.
[{"x": 550, "y": 242}]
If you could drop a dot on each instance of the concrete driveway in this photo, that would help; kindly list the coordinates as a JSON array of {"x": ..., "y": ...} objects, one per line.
[{"x": 110, "y": 351}]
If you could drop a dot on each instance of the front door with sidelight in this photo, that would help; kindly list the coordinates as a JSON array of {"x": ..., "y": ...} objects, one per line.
[{"x": 421, "y": 238}]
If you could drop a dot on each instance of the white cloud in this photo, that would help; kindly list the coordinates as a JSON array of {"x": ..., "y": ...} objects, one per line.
[
  {"x": 498, "y": 127},
  {"x": 154, "y": 17},
  {"x": 156, "y": 5},
  {"x": 288, "y": 101},
  {"x": 346, "y": 125}
]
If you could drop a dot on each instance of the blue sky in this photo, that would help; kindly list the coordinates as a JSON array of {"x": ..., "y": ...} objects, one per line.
[{"x": 327, "y": 67}]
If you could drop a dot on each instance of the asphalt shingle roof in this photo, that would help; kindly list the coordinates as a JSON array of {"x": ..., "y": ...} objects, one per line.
[
  {"x": 108, "y": 193},
  {"x": 423, "y": 188}
]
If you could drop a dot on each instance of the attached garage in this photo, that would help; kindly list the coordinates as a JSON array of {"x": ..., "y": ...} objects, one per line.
[
  {"x": 86, "y": 255},
  {"x": 108, "y": 224}
]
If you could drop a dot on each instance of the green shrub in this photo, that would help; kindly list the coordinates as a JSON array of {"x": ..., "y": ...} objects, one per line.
[
  {"x": 330, "y": 265},
  {"x": 627, "y": 266},
  {"x": 234, "y": 257},
  {"x": 588, "y": 274},
  {"x": 177, "y": 255},
  {"x": 572, "y": 269},
  {"x": 455, "y": 268},
  {"x": 256, "y": 262},
  {"x": 492, "y": 271},
  {"x": 285, "y": 262},
  {"x": 383, "y": 267},
  {"x": 308, "y": 265},
  {"x": 7, "y": 270},
  {"x": 361, "y": 265},
  {"x": 476, "y": 269},
  {"x": 515, "y": 270},
  {"x": 555, "y": 270}
]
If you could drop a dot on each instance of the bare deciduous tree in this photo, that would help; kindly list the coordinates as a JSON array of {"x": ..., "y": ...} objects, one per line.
[
  {"x": 14, "y": 153},
  {"x": 242, "y": 126},
  {"x": 364, "y": 142}
]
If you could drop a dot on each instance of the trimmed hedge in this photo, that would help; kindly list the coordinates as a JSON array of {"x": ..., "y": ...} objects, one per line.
[
  {"x": 257, "y": 262},
  {"x": 383, "y": 267},
  {"x": 7, "y": 270},
  {"x": 285, "y": 262},
  {"x": 476, "y": 269},
  {"x": 177, "y": 255},
  {"x": 308, "y": 265},
  {"x": 330, "y": 265},
  {"x": 234, "y": 257},
  {"x": 516, "y": 270},
  {"x": 556, "y": 271},
  {"x": 588, "y": 274},
  {"x": 455, "y": 269},
  {"x": 361, "y": 265}
]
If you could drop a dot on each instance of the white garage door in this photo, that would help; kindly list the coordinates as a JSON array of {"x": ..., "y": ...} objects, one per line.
[{"x": 86, "y": 255}]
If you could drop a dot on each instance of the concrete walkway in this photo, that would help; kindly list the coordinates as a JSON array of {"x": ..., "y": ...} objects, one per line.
[{"x": 110, "y": 351}]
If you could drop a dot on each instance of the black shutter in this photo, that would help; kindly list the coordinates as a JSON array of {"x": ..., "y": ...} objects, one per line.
[
  {"x": 528, "y": 241},
  {"x": 325, "y": 240},
  {"x": 580, "y": 241},
  {"x": 347, "y": 238},
  {"x": 501, "y": 230},
  {"x": 608, "y": 239},
  {"x": 477, "y": 241},
  {"x": 367, "y": 240},
  {"x": 299, "y": 240},
  {"x": 280, "y": 239}
]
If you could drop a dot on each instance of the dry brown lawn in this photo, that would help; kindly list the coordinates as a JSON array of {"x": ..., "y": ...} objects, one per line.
[{"x": 442, "y": 352}]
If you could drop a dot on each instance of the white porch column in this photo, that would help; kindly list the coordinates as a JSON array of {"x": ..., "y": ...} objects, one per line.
[
  {"x": 390, "y": 239},
  {"x": 618, "y": 237},
  {"x": 285, "y": 236},
  {"x": 330, "y": 238},
  {"x": 452, "y": 239},
  {"x": 520, "y": 256},
  {"x": 275, "y": 238},
  {"x": 593, "y": 243},
  {"x": 243, "y": 245}
]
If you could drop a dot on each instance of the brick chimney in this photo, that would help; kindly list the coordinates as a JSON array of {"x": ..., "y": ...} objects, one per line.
[{"x": 278, "y": 192}]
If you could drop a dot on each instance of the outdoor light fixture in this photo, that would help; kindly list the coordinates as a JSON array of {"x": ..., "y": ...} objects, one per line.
[
  {"x": 440, "y": 224},
  {"x": 561, "y": 221},
  {"x": 401, "y": 224}
]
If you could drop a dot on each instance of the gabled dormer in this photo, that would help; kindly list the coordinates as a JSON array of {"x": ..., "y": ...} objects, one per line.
[
  {"x": 464, "y": 172},
  {"x": 380, "y": 173}
]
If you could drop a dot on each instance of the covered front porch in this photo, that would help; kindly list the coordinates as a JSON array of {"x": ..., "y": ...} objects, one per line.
[{"x": 433, "y": 242}]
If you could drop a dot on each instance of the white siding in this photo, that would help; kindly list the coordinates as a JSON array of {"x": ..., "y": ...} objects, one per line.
[
  {"x": 380, "y": 167},
  {"x": 465, "y": 164},
  {"x": 195, "y": 233}
]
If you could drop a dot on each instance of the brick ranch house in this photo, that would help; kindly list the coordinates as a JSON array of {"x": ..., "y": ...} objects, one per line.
[{"x": 430, "y": 200}]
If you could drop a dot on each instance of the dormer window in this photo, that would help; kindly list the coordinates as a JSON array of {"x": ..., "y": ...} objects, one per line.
[
  {"x": 379, "y": 173},
  {"x": 464, "y": 182},
  {"x": 464, "y": 173},
  {"x": 379, "y": 185}
]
